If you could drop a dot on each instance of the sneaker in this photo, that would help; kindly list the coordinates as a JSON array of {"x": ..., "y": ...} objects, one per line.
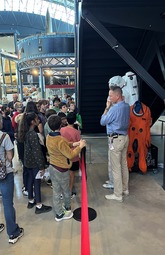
[
  {"x": 2, "y": 227},
  {"x": 66, "y": 209},
  {"x": 14, "y": 238},
  {"x": 114, "y": 197},
  {"x": 64, "y": 216},
  {"x": 25, "y": 193},
  {"x": 107, "y": 182},
  {"x": 126, "y": 192},
  {"x": 43, "y": 209},
  {"x": 49, "y": 182},
  {"x": 108, "y": 186},
  {"x": 31, "y": 205},
  {"x": 73, "y": 195},
  {"x": 79, "y": 173}
]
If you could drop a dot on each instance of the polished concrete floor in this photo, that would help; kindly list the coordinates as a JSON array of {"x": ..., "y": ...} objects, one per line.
[{"x": 136, "y": 226}]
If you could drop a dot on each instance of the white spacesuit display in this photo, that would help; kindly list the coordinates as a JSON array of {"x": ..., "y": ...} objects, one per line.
[
  {"x": 130, "y": 89},
  {"x": 129, "y": 86}
]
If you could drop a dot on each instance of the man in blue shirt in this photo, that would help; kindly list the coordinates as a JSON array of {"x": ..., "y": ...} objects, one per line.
[{"x": 116, "y": 119}]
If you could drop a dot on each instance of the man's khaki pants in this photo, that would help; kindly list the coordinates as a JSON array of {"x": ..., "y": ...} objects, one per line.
[{"x": 118, "y": 158}]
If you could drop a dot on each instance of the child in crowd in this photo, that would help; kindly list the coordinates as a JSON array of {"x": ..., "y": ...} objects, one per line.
[
  {"x": 48, "y": 113},
  {"x": 56, "y": 102},
  {"x": 61, "y": 154},
  {"x": 73, "y": 108},
  {"x": 62, "y": 115},
  {"x": 47, "y": 130},
  {"x": 34, "y": 160},
  {"x": 72, "y": 135}
]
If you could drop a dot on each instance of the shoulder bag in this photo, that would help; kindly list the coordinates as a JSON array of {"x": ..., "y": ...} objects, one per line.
[{"x": 3, "y": 171}]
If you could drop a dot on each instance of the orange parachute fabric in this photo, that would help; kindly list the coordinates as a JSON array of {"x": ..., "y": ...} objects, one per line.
[{"x": 139, "y": 135}]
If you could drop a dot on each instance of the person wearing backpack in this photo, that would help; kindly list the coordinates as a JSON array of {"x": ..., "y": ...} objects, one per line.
[{"x": 7, "y": 187}]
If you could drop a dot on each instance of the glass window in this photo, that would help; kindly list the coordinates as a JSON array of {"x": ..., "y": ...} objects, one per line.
[{"x": 59, "y": 9}]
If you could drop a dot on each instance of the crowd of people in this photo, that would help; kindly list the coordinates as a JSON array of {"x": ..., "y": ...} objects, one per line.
[{"x": 46, "y": 134}]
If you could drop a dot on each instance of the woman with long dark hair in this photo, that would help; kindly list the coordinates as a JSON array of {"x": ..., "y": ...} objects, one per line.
[
  {"x": 34, "y": 160},
  {"x": 32, "y": 107}
]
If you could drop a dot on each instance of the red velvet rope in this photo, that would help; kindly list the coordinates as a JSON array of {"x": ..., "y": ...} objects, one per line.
[{"x": 85, "y": 242}]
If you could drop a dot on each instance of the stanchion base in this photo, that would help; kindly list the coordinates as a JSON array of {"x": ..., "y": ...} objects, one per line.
[{"x": 91, "y": 214}]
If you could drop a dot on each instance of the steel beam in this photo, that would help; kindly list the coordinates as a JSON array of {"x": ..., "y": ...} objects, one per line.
[
  {"x": 19, "y": 84},
  {"x": 161, "y": 62},
  {"x": 11, "y": 78},
  {"x": 77, "y": 52},
  {"x": 123, "y": 53},
  {"x": 149, "y": 53},
  {"x": 2, "y": 69},
  {"x": 41, "y": 83},
  {"x": 46, "y": 62}
]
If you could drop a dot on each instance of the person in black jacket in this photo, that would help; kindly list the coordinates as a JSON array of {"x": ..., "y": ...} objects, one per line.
[
  {"x": 7, "y": 125},
  {"x": 34, "y": 160}
]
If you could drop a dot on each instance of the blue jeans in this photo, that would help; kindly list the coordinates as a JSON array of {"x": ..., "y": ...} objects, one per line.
[
  {"x": 34, "y": 183},
  {"x": 7, "y": 190},
  {"x": 25, "y": 177}
]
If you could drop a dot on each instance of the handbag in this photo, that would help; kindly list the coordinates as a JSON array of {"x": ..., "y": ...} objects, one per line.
[{"x": 3, "y": 170}]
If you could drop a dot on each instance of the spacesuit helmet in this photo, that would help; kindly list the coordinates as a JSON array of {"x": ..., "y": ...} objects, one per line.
[{"x": 117, "y": 81}]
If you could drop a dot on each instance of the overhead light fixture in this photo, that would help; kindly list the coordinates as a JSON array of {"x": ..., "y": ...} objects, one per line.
[
  {"x": 35, "y": 72},
  {"x": 48, "y": 72}
]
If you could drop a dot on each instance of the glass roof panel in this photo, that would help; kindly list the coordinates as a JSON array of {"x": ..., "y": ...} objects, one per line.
[{"x": 58, "y": 9}]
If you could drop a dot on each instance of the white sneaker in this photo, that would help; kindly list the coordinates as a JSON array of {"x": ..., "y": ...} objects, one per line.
[
  {"x": 114, "y": 197},
  {"x": 107, "y": 182},
  {"x": 14, "y": 238},
  {"x": 25, "y": 193},
  {"x": 108, "y": 186},
  {"x": 126, "y": 192},
  {"x": 65, "y": 216}
]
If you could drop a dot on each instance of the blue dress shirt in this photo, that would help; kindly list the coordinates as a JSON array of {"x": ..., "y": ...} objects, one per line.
[{"x": 117, "y": 118}]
